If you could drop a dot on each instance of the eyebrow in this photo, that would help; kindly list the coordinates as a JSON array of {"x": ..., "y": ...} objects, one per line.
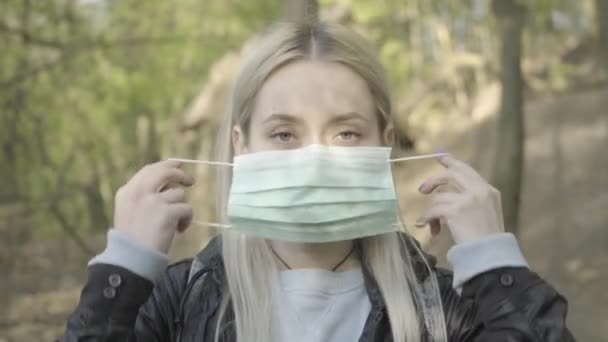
[
  {"x": 281, "y": 117},
  {"x": 348, "y": 116},
  {"x": 336, "y": 118}
]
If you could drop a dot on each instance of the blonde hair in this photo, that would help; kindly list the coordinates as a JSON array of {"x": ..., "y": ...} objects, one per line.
[{"x": 250, "y": 267}]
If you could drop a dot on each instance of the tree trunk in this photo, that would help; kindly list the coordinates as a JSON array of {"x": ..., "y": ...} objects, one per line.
[
  {"x": 601, "y": 10},
  {"x": 510, "y": 146},
  {"x": 301, "y": 11}
]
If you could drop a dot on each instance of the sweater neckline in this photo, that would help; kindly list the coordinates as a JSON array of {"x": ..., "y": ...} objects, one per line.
[{"x": 321, "y": 280}]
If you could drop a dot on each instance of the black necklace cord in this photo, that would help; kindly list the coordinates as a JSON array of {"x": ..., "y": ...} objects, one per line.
[{"x": 352, "y": 250}]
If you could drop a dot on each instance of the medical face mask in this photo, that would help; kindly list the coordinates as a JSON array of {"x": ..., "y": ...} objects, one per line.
[{"x": 313, "y": 194}]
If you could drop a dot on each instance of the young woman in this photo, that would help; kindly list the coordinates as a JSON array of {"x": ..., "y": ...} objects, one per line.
[{"x": 311, "y": 248}]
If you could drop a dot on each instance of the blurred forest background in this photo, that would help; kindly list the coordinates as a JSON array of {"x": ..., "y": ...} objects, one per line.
[{"x": 92, "y": 90}]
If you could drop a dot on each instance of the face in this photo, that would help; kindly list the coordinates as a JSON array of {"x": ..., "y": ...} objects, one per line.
[{"x": 311, "y": 102}]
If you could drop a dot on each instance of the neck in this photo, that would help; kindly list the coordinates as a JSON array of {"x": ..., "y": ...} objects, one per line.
[{"x": 316, "y": 255}]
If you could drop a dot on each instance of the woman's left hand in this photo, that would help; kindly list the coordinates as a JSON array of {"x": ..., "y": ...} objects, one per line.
[{"x": 463, "y": 202}]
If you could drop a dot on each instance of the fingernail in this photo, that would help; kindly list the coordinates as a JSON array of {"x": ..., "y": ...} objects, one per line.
[
  {"x": 442, "y": 152},
  {"x": 422, "y": 187},
  {"x": 420, "y": 222}
]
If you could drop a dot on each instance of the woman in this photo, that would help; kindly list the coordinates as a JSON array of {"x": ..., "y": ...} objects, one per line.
[{"x": 311, "y": 250}]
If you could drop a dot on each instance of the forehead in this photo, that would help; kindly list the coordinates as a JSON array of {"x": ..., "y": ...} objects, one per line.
[{"x": 307, "y": 87}]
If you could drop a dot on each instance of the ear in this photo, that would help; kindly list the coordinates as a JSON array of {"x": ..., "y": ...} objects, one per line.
[
  {"x": 389, "y": 135},
  {"x": 238, "y": 140}
]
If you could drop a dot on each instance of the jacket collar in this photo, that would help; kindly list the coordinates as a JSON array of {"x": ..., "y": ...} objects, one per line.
[{"x": 211, "y": 257}]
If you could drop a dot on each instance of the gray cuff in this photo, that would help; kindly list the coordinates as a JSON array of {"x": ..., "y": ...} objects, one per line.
[
  {"x": 124, "y": 251},
  {"x": 470, "y": 259}
]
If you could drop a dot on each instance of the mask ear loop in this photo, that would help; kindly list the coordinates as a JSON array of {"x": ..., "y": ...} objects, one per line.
[
  {"x": 205, "y": 162},
  {"x": 423, "y": 156},
  {"x": 397, "y": 226},
  {"x": 212, "y": 225}
]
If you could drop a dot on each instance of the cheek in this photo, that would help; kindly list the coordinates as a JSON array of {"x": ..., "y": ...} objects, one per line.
[{"x": 257, "y": 141}]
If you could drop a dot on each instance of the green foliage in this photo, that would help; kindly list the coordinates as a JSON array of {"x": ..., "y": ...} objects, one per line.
[
  {"x": 89, "y": 89},
  {"x": 79, "y": 78}
]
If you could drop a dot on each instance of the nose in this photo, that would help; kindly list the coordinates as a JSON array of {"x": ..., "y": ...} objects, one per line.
[{"x": 315, "y": 137}]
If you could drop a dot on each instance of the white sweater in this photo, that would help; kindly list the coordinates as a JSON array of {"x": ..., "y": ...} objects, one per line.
[{"x": 319, "y": 305}]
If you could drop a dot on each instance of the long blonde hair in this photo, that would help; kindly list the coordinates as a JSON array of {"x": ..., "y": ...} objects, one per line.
[{"x": 250, "y": 267}]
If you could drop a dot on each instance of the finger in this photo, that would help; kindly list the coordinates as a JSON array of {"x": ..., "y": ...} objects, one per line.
[
  {"x": 160, "y": 178},
  {"x": 183, "y": 224},
  {"x": 435, "y": 226},
  {"x": 169, "y": 163},
  {"x": 446, "y": 160},
  {"x": 459, "y": 167},
  {"x": 434, "y": 212},
  {"x": 173, "y": 195},
  {"x": 153, "y": 168},
  {"x": 448, "y": 178},
  {"x": 182, "y": 212},
  {"x": 449, "y": 198}
]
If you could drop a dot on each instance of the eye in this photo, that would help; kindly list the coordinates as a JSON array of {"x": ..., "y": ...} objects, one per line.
[
  {"x": 348, "y": 135},
  {"x": 283, "y": 136}
]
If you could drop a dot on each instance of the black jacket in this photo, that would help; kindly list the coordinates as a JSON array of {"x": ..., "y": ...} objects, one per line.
[{"x": 507, "y": 304}]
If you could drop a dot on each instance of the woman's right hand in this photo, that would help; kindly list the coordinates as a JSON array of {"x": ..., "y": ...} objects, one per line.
[{"x": 152, "y": 206}]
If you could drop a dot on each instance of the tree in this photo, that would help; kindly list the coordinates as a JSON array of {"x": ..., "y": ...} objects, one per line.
[
  {"x": 301, "y": 10},
  {"x": 510, "y": 147},
  {"x": 89, "y": 92},
  {"x": 601, "y": 10}
]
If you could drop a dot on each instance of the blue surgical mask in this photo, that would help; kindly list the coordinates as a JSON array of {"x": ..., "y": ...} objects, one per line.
[{"x": 313, "y": 194}]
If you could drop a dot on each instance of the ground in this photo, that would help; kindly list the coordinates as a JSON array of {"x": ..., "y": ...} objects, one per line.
[{"x": 564, "y": 221}]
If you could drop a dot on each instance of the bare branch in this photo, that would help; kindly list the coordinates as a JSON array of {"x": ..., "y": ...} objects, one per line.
[
  {"x": 69, "y": 51},
  {"x": 29, "y": 38},
  {"x": 32, "y": 72},
  {"x": 71, "y": 230}
]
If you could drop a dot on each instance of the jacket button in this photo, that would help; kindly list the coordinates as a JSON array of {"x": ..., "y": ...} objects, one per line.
[
  {"x": 506, "y": 280},
  {"x": 115, "y": 280},
  {"x": 109, "y": 292}
]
